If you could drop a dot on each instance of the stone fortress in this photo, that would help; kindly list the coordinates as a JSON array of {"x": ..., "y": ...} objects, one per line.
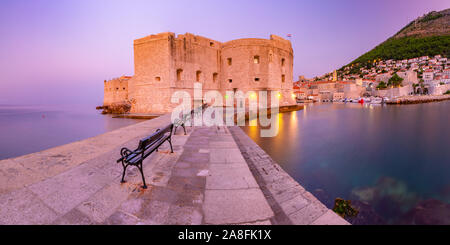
[{"x": 165, "y": 63}]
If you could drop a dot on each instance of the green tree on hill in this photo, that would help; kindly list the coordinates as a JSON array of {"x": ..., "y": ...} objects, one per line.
[
  {"x": 407, "y": 48},
  {"x": 395, "y": 80},
  {"x": 381, "y": 85}
]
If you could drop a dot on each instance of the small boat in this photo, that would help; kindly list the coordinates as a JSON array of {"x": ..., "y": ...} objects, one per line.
[{"x": 376, "y": 100}]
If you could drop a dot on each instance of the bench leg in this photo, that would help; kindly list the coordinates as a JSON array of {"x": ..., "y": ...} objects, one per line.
[
  {"x": 184, "y": 129},
  {"x": 123, "y": 174},
  {"x": 170, "y": 142},
  {"x": 175, "y": 130},
  {"x": 142, "y": 173}
]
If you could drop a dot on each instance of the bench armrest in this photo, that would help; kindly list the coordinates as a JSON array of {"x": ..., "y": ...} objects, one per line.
[{"x": 125, "y": 152}]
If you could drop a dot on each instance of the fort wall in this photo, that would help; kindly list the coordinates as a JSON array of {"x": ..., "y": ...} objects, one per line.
[
  {"x": 115, "y": 90},
  {"x": 165, "y": 63}
]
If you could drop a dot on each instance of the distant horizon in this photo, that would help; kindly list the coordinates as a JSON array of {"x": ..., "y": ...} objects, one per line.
[{"x": 61, "y": 52}]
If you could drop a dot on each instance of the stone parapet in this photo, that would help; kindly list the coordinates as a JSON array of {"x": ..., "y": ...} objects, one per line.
[{"x": 291, "y": 203}]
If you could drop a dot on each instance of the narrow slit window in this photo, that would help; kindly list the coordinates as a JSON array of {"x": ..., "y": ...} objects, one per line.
[
  {"x": 283, "y": 77},
  {"x": 282, "y": 62},
  {"x": 198, "y": 75},
  {"x": 215, "y": 75},
  {"x": 256, "y": 79},
  {"x": 230, "y": 61},
  {"x": 179, "y": 74}
]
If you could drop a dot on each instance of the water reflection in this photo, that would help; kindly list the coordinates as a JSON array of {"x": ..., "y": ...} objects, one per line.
[{"x": 388, "y": 159}]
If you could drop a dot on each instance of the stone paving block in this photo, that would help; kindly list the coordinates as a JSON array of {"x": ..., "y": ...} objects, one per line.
[
  {"x": 101, "y": 205},
  {"x": 221, "y": 138},
  {"x": 181, "y": 184},
  {"x": 308, "y": 214},
  {"x": 230, "y": 176},
  {"x": 65, "y": 191},
  {"x": 132, "y": 206},
  {"x": 121, "y": 218},
  {"x": 190, "y": 172},
  {"x": 194, "y": 157},
  {"x": 14, "y": 176},
  {"x": 184, "y": 215},
  {"x": 330, "y": 218},
  {"x": 286, "y": 194},
  {"x": 264, "y": 222},
  {"x": 222, "y": 144},
  {"x": 203, "y": 151},
  {"x": 74, "y": 217},
  {"x": 154, "y": 213},
  {"x": 294, "y": 204},
  {"x": 226, "y": 156},
  {"x": 46, "y": 165},
  {"x": 235, "y": 206},
  {"x": 281, "y": 185},
  {"x": 22, "y": 207},
  {"x": 179, "y": 140}
]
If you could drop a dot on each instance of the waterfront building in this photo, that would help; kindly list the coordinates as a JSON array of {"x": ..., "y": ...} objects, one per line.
[
  {"x": 409, "y": 76},
  {"x": 428, "y": 75}
]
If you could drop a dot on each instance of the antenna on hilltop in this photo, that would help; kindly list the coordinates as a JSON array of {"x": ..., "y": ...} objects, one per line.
[{"x": 289, "y": 36}]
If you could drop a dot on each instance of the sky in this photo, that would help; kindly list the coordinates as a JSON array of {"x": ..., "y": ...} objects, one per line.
[{"x": 61, "y": 51}]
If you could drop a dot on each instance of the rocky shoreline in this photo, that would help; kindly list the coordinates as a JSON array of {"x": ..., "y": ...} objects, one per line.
[
  {"x": 418, "y": 99},
  {"x": 118, "y": 108}
]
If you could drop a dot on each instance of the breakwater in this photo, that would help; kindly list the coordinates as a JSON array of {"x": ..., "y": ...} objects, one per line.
[{"x": 418, "y": 99}]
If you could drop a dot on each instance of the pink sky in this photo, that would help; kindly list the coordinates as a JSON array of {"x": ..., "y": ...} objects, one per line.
[{"x": 59, "y": 52}]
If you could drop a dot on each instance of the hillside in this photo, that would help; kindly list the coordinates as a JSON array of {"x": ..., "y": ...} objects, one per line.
[{"x": 427, "y": 35}]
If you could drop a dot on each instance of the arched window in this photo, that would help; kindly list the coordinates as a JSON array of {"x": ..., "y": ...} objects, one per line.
[
  {"x": 283, "y": 61},
  {"x": 215, "y": 75}
]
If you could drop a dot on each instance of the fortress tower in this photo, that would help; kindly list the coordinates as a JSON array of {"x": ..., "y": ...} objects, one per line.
[{"x": 165, "y": 63}]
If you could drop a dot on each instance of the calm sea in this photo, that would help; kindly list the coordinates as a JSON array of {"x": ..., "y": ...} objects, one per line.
[
  {"x": 392, "y": 162},
  {"x": 28, "y": 129}
]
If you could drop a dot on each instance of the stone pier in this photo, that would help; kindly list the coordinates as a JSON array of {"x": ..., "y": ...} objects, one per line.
[{"x": 216, "y": 175}]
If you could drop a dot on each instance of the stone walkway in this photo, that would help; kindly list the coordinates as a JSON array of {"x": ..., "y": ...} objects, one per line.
[{"x": 207, "y": 180}]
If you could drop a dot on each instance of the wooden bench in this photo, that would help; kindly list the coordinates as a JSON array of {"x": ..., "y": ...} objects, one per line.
[
  {"x": 181, "y": 122},
  {"x": 146, "y": 147},
  {"x": 186, "y": 117}
]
